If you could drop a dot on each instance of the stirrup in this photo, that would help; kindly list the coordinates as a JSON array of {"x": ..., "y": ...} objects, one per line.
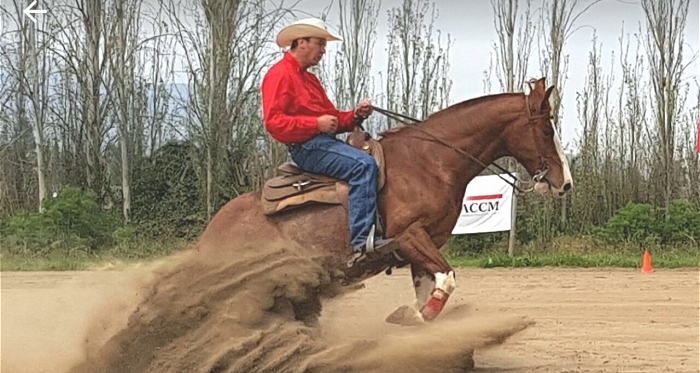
[
  {"x": 372, "y": 244},
  {"x": 369, "y": 246}
]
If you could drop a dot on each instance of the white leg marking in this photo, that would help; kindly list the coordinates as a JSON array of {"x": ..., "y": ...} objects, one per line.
[
  {"x": 445, "y": 282},
  {"x": 423, "y": 286}
]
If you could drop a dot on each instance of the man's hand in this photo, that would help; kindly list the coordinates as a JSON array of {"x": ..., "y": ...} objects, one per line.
[
  {"x": 327, "y": 123},
  {"x": 363, "y": 109}
]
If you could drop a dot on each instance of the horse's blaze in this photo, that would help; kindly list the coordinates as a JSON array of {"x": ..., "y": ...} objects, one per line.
[{"x": 435, "y": 304}]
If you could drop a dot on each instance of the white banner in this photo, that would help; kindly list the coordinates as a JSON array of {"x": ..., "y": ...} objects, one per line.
[{"x": 487, "y": 206}]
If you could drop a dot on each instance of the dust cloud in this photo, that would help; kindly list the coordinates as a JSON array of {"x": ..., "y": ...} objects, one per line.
[{"x": 253, "y": 308}]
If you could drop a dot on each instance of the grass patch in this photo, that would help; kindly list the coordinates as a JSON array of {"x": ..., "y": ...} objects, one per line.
[
  {"x": 17, "y": 263},
  {"x": 589, "y": 260},
  {"x": 79, "y": 260},
  {"x": 20, "y": 263},
  {"x": 563, "y": 252},
  {"x": 568, "y": 251}
]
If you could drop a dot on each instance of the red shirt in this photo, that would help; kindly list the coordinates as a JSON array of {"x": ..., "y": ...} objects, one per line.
[{"x": 293, "y": 99}]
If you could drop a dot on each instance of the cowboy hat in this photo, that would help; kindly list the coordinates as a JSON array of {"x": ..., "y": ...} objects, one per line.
[{"x": 304, "y": 28}]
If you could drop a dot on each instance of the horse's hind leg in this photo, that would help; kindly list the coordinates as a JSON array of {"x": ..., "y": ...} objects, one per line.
[{"x": 433, "y": 278}]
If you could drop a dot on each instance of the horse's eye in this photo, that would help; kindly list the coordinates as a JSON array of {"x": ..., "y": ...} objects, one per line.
[{"x": 548, "y": 132}]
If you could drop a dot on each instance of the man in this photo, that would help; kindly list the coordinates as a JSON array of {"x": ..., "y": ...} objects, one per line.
[{"x": 298, "y": 113}]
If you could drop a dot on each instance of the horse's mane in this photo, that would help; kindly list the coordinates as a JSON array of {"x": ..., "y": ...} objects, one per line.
[{"x": 455, "y": 107}]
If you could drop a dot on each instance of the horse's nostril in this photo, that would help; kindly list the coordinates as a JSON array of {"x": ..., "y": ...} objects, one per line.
[{"x": 567, "y": 186}]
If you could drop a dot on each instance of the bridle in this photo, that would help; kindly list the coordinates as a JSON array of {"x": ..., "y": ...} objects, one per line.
[
  {"x": 539, "y": 175},
  {"x": 542, "y": 171}
]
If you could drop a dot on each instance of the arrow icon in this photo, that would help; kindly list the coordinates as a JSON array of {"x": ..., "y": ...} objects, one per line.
[{"x": 28, "y": 10}]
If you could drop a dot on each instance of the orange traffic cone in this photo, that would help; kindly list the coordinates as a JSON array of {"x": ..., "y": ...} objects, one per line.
[{"x": 646, "y": 263}]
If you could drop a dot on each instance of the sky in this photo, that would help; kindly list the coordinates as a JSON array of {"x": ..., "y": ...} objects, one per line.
[{"x": 471, "y": 27}]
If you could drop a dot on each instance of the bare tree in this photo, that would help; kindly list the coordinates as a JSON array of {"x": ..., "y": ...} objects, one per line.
[
  {"x": 250, "y": 57},
  {"x": 207, "y": 48},
  {"x": 225, "y": 55},
  {"x": 17, "y": 62},
  {"x": 159, "y": 50},
  {"x": 128, "y": 95},
  {"x": 81, "y": 44},
  {"x": 5, "y": 120},
  {"x": 418, "y": 81},
  {"x": 665, "y": 24},
  {"x": 346, "y": 72},
  {"x": 692, "y": 136},
  {"x": 512, "y": 54},
  {"x": 632, "y": 119},
  {"x": 220, "y": 15},
  {"x": 353, "y": 62},
  {"x": 21, "y": 127},
  {"x": 36, "y": 89},
  {"x": 591, "y": 114},
  {"x": 93, "y": 66},
  {"x": 66, "y": 114},
  {"x": 558, "y": 20}
]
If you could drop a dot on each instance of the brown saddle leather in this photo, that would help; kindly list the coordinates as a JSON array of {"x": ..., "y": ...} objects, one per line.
[{"x": 293, "y": 187}]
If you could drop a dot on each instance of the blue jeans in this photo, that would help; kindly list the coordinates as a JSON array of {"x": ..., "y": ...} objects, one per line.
[{"x": 327, "y": 155}]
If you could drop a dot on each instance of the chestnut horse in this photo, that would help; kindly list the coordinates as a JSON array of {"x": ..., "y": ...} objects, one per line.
[{"x": 420, "y": 201}]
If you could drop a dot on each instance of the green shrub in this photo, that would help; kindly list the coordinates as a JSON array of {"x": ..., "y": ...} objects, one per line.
[
  {"x": 30, "y": 232},
  {"x": 640, "y": 223},
  {"x": 73, "y": 220},
  {"x": 683, "y": 224},
  {"x": 166, "y": 195},
  {"x": 125, "y": 235},
  {"x": 77, "y": 213},
  {"x": 634, "y": 223}
]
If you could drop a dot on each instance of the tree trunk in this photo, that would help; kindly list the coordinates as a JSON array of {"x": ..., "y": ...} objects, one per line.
[
  {"x": 122, "y": 85},
  {"x": 91, "y": 96},
  {"x": 38, "y": 104}
]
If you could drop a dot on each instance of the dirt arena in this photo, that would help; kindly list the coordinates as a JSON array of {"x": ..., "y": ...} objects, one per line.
[{"x": 586, "y": 320}]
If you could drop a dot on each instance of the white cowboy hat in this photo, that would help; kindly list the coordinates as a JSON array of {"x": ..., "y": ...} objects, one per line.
[{"x": 303, "y": 28}]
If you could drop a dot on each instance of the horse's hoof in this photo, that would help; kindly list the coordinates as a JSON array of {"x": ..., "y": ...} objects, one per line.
[
  {"x": 468, "y": 362},
  {"x": 405, "y": 316}
]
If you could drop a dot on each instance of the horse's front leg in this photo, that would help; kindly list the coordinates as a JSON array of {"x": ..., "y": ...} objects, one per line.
[
  {"x": 433, "y": 278},
  {"x": 432, "y": 291},
  {"x": 423, "y": 284}
]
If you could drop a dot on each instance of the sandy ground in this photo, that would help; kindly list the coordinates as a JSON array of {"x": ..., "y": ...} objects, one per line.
[{"x": 598, "y": 320}]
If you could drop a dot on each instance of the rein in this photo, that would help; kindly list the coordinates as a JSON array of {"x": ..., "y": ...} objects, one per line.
[{"x": 396, "y": 116}]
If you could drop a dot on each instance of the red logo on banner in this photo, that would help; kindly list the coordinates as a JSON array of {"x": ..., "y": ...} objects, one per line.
[{"x": 485, "y": 196}]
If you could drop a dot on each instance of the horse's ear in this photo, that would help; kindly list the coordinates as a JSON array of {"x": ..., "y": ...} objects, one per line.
[
  {"x": 537, "y": 85},
  {"x": 545, "y": 100}
]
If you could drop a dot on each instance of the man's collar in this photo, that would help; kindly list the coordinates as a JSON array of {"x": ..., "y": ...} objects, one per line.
[{"x": 289, "y": 57}]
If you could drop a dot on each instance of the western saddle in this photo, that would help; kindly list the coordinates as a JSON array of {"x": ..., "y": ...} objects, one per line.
[{"x": 294, "y": 188}]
